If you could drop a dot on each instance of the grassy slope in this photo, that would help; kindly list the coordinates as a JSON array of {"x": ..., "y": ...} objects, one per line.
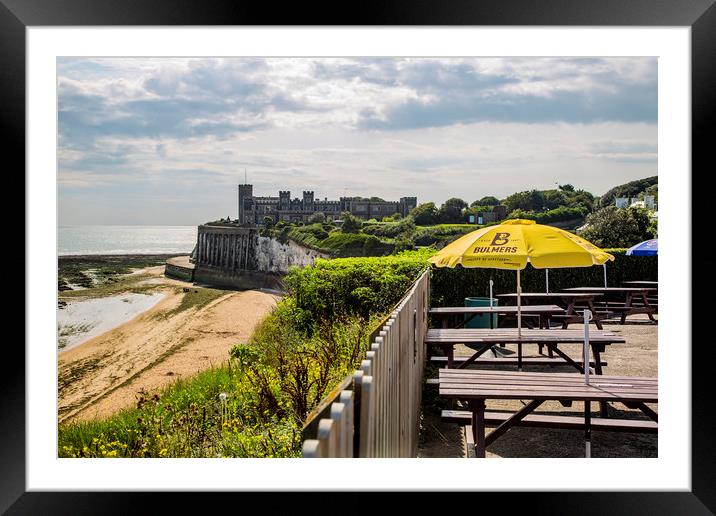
[{"x": 189, "y": 418}]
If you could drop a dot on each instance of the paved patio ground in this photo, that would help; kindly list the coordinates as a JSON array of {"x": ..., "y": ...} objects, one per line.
[{"x": 637, "y": 357}]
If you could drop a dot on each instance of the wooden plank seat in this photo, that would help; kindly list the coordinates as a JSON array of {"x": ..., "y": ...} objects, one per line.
[
  {"x": 457, "y": 361},
  {"x": 486, "y": 339},
  {"x": 464, "y": 417},
  {"x": 566, "y": 320},
  {"x": 460, "y": 316}
]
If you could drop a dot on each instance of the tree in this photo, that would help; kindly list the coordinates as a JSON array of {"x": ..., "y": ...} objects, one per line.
[
  {"x": 519, "y": 201},
  {"x": 351, "y": 223},
  {"x": 537, "y": 200},
  {"x": 553, "y": 199},
  {"x": 477, "y": 208},
  {"x": 451, "y": 210},
  {"x": 425, "y": 214},
  {"x": 580, "y": 198},
  {"x": 643, "y": 221},
  {"x": 268, "y": 222},
  {"x": 488, "y": 201},
  {"x": 615, "y": 227},
  {"x": 566, "y": 188},
  {"x": 393, "y": 218},
  {"x": 319, "y": 217}
]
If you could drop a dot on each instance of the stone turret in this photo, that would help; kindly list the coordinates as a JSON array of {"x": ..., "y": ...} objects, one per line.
[
  {"x": 246, "y": 194},
  {"x": 284, "y": 200},
  {"x": 407, "y": 204},
  {"x": 308, "y": 200}
]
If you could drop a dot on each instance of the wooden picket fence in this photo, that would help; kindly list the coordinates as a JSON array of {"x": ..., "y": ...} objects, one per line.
[{"x": 376, "y": 412}]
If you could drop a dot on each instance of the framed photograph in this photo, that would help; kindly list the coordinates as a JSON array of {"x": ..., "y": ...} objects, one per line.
[{"x": 186, "y": 158}]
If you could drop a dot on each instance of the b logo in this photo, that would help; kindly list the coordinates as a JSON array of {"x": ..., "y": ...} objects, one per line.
[{"x": 500, "y": 239}]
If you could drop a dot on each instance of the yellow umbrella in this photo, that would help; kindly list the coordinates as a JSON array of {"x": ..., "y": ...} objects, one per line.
[{"x": 513, "y": 244}]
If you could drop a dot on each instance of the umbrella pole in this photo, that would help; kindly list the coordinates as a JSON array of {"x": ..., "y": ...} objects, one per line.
[
  {"x": 519, "y": 306},
  {"x": 492, "y": 317},
  {"x": 587, "y": 429},
  {"x": 605, "y": 274},
  {"x": 587, "y": 318},
  {"x": 546, "y": 279},
  {"x": 587, "y": 405}
]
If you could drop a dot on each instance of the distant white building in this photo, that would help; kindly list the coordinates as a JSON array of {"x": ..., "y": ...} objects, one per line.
[
  {"x": 625, "y": 202},
  {"x": 622, "y": 202}
]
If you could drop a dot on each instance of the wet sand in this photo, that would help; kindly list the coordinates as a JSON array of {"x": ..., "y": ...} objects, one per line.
[{"x": 79, "y": 321}]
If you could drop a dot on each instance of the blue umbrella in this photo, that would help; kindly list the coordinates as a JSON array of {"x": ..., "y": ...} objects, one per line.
[{"x": 646, "y": 248}]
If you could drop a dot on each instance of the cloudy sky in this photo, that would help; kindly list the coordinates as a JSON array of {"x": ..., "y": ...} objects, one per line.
[{"x": 166, "y": 141}]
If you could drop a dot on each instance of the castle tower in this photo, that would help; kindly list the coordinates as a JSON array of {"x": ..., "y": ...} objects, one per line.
[
  {"x": 407, "y": 204},
  {"x": 246, "y": 194},
  {"x": 308, "y": 200},
  {"x": 284, "y": 200}
]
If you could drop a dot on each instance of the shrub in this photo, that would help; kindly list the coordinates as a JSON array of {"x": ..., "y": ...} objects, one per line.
[
  {"x": 404, "y": 227},
  {"x": 425, "y": 214},
  {"x": 616, "y": 227},
  {"x": 317, "y": 217},
  {"x": 560, "y": 214},
  {"x": 351, "y": 223},
  {"x": 329, "y": 286}
]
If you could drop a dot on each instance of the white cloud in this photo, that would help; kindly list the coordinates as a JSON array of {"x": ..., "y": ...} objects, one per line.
[{"x": 181, "y": 131}]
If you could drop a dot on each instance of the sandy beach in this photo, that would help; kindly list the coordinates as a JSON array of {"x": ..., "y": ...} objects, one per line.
[{"x": 163, "y": 343}]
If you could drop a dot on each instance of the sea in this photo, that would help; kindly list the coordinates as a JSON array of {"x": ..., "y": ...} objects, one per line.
[{"x": 82, "y": 240}]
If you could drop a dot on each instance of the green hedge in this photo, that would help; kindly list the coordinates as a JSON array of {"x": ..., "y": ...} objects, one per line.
[
  {"x": 450, "y": 287},
  {"x": 355, "y": 286}
]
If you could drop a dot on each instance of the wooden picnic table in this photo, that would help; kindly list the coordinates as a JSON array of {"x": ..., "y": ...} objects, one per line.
[
  {"x": 629, "y": 300},
  {"x": 457, "y": 314},
  {"x": 476, "y": 387},
  {"x": 487, "y": 338},
  {"x": 570, "y": 300}
]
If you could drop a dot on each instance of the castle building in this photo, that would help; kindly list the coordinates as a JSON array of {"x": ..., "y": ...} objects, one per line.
[{"x": 253, "y": 209}]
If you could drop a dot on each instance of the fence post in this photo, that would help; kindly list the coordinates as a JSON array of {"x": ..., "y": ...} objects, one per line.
[
  {"x": 340, "y": 437},
  {"x": 348, "y": 426},
  {"x": 326, "y": 437},
  {"x": 366, "y": 413},
  {"x": 311, "y": 449},
  {"x": 357, "y": 400}
]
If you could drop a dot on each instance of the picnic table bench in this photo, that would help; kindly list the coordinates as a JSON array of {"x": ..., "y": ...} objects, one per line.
[
  {"x": 652, "y": 296},
  {"x": 569, "y": 300},
  {"x": 485, "y": 339},
  {"x": 624, "y": 300},
  {"x": 476, "y": 387},
  {"x": 454, "y": 316}
]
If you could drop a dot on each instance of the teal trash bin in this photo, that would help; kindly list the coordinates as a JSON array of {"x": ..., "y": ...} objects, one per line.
[{"x": 480, "y": 320}]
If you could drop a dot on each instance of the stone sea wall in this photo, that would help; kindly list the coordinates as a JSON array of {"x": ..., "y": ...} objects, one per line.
[
  {"x": 238, "y": 257},
  {"x": 276, "y": 257}
]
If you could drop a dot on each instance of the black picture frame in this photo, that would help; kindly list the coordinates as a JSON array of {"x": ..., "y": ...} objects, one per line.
[{"x": 17, "y": 15}]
